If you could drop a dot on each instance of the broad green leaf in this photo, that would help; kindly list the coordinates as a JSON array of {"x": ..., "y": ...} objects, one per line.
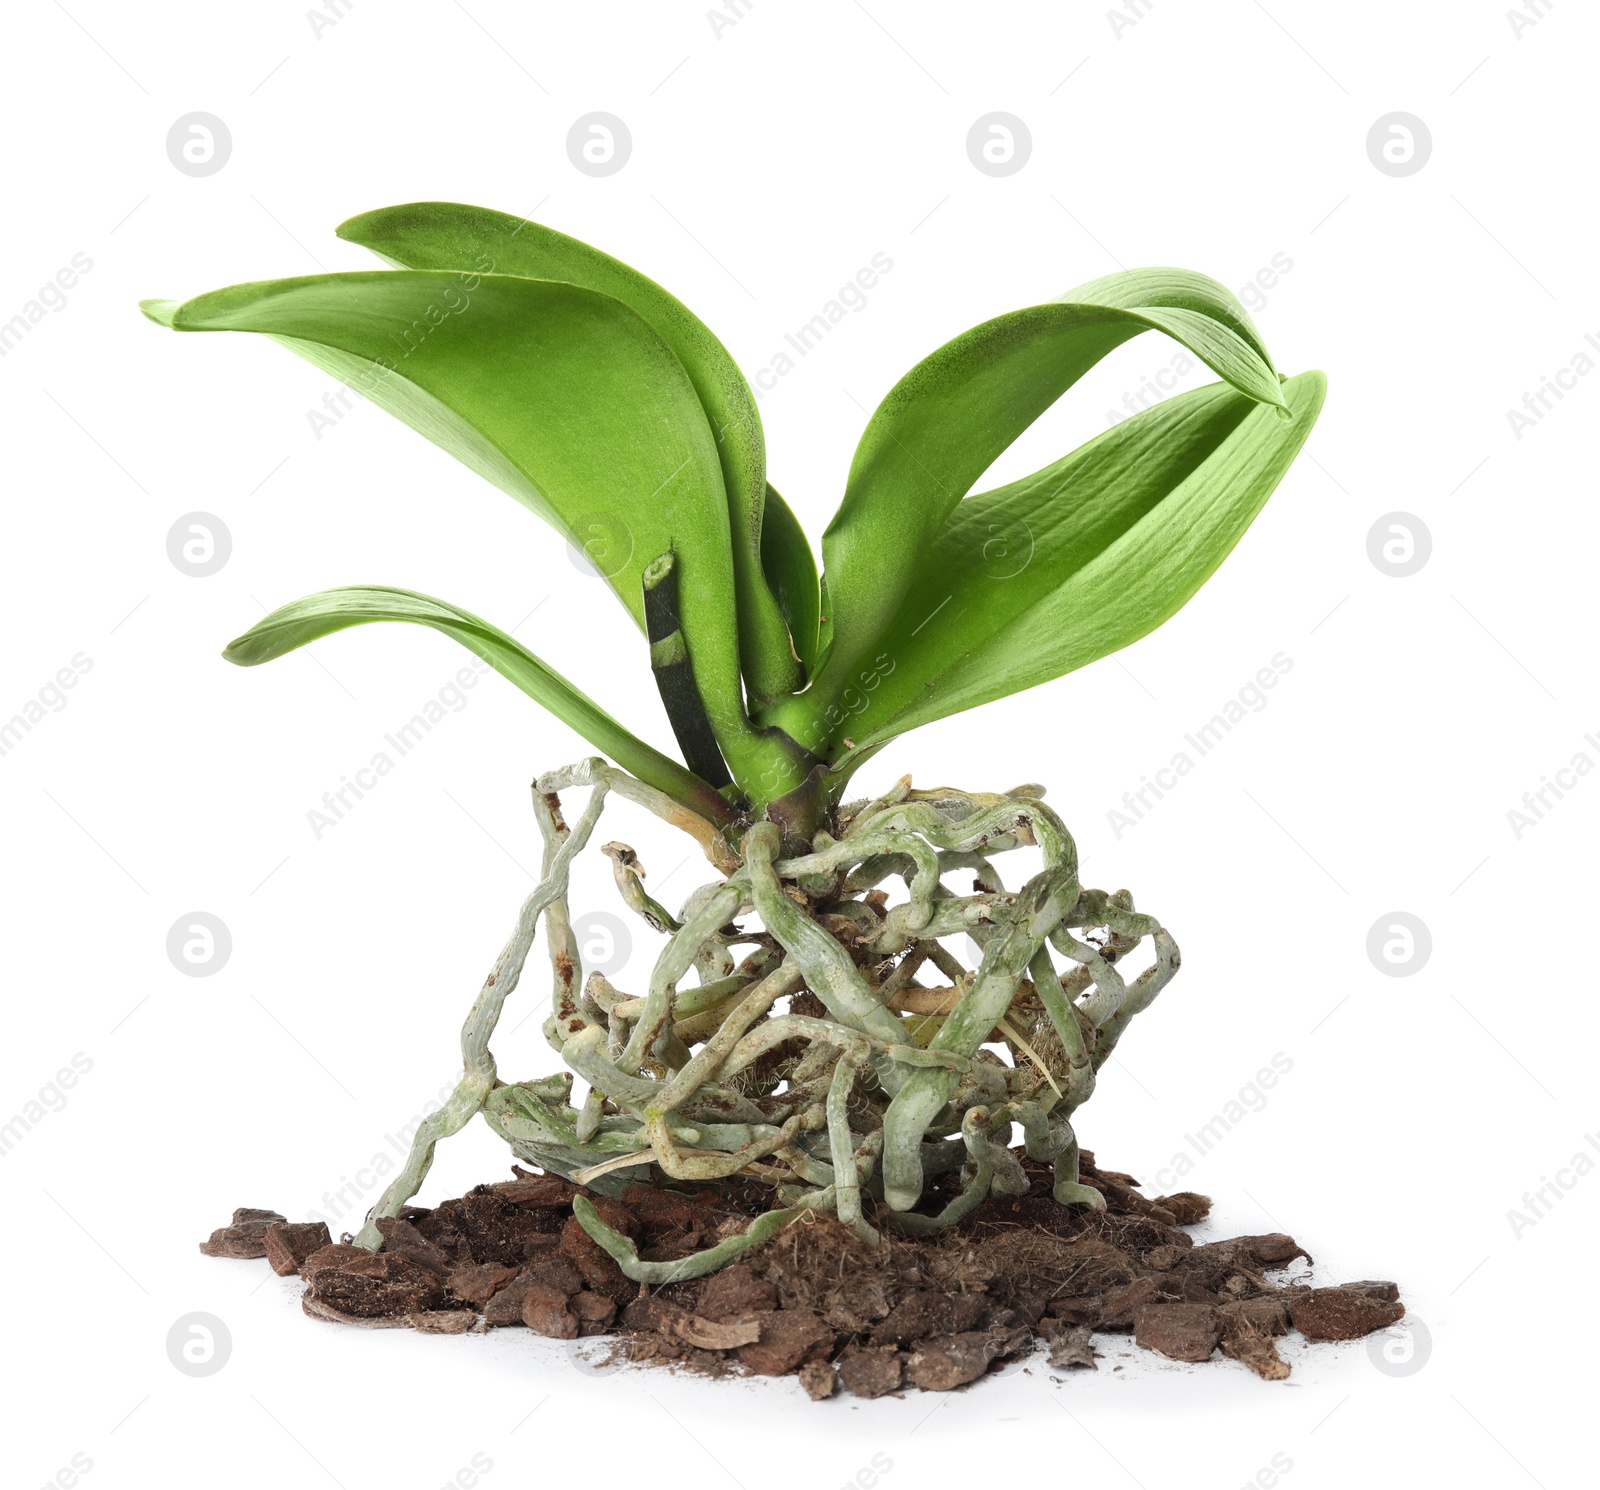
[
  {"x": 1045, "y": 575},
  {"x": 560, "y": 395},
  {"x": 316, "y": 616},
  {"x": 943, "y": 424},
  {"x": 791, "y": 571},
  {"x": 449, "y": 235}
]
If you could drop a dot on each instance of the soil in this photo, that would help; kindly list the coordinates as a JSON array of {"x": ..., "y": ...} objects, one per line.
[{"x": 933, "y": 1313}]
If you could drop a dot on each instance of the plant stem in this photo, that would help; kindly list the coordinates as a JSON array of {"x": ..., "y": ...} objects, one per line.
[{"x": 669, "y": 660}]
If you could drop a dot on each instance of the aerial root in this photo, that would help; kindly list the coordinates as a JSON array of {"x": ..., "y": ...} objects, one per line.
[{"x": 895, "y": 1085}]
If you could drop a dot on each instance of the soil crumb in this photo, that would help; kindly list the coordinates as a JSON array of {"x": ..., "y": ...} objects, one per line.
[{"x": 845, "y": 1318}]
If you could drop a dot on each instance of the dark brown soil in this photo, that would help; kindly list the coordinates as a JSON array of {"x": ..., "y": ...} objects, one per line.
[{"x": 816, "y": 1302}]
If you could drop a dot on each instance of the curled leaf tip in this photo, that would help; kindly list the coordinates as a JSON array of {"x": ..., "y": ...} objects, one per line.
[
  {"x": 162, "y": 312},
  {"x": 1316, "y": 384}
]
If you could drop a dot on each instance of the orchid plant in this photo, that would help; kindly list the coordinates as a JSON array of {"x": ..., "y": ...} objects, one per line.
[{"x": 798, "y": 1026}]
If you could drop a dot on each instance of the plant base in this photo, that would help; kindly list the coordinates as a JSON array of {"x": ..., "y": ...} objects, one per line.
[{"x": 795, "y": 1152}]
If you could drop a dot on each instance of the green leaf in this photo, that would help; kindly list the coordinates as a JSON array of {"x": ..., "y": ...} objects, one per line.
[
  {"x": 791, "y": 571},
  {"x": 316, "y": 616},
  {"x": 560, "y": 395},
  {"x": 1162, "y": 292},
  {"x": 1047, "y": 574},
  {"x": 943, "y": 424},
  {"x": 448, "y": 235}
]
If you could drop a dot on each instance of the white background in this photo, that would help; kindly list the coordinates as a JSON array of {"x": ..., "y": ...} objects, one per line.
[{"x": 770, "y": 162}]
